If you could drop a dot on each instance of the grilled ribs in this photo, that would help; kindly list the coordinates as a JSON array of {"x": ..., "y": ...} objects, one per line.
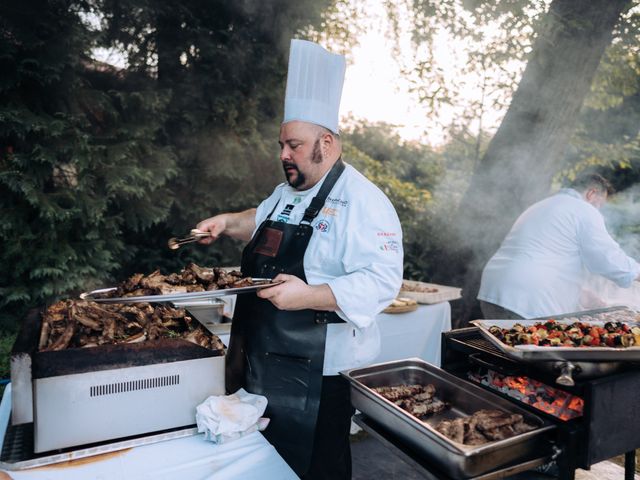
[
  {"x": 418, "y": 400},
  {"x": 483, "y": 426},
  {"x": 79, "y": 324}
]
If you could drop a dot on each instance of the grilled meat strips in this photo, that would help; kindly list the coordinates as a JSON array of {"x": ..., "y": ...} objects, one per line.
[
  {"x": 418, "y": 400},
  {"x": 483, "y": 426},
  {"x": 79, "y": 324},
  {"x": 192, "y": 278}
]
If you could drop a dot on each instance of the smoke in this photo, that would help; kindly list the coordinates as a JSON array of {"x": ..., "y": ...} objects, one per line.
[{"x": 622, "y": 216}]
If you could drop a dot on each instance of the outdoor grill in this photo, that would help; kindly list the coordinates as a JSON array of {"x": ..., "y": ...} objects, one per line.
[
  {"x": 595, "y": 418},
  {"x": 84, "y": 396},
  {"x": 581, "y": 417}
]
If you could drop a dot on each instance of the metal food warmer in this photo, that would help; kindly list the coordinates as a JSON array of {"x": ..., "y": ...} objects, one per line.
[
  {"x": 87, "y": 396},
  {"x": 588, "y": 419}
]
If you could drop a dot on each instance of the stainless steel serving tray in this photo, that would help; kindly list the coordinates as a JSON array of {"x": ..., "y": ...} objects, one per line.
[
  {"x": 458, "y": 460},
  {"x": 259, "y": 283},
  {"x": 532, "y": 353}
]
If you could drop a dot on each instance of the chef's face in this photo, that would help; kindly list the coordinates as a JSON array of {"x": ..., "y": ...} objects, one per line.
[{"x": 302, "y": 154}]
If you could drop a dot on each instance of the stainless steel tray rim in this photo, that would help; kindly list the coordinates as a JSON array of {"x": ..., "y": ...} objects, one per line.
[
  {"x": 537, "y": 353},
  {"x": 458, "y": 460},
  {"x": 455, "y": 447},
  {"x": 419, "y": 425},
  {"x": 177, "y": 297}
]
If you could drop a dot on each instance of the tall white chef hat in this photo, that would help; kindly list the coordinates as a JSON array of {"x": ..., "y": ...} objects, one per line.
[{"x": 314, "y": 85}]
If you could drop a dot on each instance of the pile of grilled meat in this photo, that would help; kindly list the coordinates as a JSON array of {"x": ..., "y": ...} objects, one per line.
[
  {"x": 191, "y": 279},
  {"x": 78, "y": 324},
  {"x": 418, "y": 400},
  {"x": 483, "y": 426}
]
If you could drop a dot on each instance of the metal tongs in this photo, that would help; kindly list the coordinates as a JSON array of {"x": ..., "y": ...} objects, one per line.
[{"x": 175, "y": 243}]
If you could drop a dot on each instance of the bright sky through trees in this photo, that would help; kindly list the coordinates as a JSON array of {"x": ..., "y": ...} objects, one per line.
[
  {"x": 378, "y": 78},
  {"x": 378, "y": 84}
]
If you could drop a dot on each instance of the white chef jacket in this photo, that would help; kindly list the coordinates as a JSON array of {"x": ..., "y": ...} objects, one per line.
[
  {"x": 356, "y": 249},
  {"x": 539, "y": 268}
]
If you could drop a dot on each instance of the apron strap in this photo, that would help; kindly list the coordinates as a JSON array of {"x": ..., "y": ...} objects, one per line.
[{"x": 318, "y": 201}]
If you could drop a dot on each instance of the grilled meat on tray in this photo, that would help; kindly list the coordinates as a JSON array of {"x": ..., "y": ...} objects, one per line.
[
  {"x": 192, "y": 278},
  {"x": 483, "y": 426},
  {"x": 79, "y": 324},
  {"x": 405, "y": 391},
  {"x": 418, "y": 400}
]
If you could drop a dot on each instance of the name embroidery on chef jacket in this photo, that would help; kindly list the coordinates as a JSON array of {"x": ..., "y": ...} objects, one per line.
[{"x": 336, "y": 202}]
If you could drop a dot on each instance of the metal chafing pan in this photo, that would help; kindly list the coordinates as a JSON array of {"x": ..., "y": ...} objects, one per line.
[
  {"x": 455, "y": 459},
  {"x": 182, "y": 298},
  {"x": 532, "y": 353}
]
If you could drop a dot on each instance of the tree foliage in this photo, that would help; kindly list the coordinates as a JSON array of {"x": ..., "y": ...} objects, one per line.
[
  {"x": 99, "y": 167},
  {"x": 79, "y": 158}
]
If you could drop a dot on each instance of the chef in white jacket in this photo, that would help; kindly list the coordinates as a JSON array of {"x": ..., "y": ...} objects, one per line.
[
  {"x": 335, "y": 241},
  {"x": 540, "y": 267}
]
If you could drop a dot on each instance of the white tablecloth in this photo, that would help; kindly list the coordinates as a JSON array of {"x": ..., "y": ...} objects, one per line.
[
  {"x": 414, "y": 334},
  {"x": 189, "y": 458}
]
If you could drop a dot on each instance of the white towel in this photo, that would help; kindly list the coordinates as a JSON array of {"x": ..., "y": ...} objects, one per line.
[{"x": 222, "y": 418}]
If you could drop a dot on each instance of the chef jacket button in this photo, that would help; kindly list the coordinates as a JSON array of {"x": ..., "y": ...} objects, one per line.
[{"x": 321, "y": 318}]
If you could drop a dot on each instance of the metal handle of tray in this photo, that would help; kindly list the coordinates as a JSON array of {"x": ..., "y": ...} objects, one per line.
[{"x": 566, "y": 374}]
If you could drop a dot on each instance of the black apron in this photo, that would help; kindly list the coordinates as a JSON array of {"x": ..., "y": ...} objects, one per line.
[{"x": 277, "y": 353}]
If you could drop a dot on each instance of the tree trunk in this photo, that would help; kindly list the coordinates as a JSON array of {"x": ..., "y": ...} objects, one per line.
[{"x": 528, "y": 148}]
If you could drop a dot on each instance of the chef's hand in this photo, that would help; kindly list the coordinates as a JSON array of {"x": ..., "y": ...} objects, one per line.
[
  {"x": 238, "y": 225},
  {"x": 216, "y": 225},
  {"x": 294, "y": 294}
]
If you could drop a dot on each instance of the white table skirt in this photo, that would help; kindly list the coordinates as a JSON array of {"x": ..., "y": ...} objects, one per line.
[
  {"x": 414, "y": 334},
  {"x": 189, "y": 458}
]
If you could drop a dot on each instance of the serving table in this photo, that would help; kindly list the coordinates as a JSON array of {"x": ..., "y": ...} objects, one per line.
[
  {"x": 187, "y": 458},
  {"x": 403, "y": 335},
  {"x": 414, "y": 334}
]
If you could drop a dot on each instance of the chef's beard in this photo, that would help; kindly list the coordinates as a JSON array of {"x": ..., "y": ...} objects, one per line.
[
  {"x": 316, "y": 157},
  {"x": 300, "y": 178}
]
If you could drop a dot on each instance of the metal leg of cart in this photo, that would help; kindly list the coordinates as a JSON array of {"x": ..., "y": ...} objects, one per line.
[
  {"x": 630, "y": 465},
  {"x": 567, "y": 463}
]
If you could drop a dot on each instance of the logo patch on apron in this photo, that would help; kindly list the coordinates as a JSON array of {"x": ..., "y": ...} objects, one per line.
[{"x": 269, "y": 242}]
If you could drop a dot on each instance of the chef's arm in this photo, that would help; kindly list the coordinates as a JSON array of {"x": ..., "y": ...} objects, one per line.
[
  {"x": 238, "y": 225},
  {"x": 294, "y": 294},
  {"x": 602, "y": 255}
]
